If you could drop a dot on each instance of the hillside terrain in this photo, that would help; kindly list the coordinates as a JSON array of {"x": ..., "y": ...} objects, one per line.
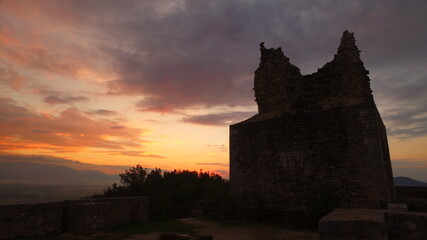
[
  {"x": 26, "y": 182},
  {"x": 406, "y": 181}
]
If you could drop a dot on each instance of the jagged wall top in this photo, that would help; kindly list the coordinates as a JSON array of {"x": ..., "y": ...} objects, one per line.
[{"x": 280, "y": 87}]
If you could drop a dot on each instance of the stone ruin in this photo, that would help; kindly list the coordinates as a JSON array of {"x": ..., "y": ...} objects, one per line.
[
  {"x": 322, "y": 128},
  {"x": 72, "y": 217}
]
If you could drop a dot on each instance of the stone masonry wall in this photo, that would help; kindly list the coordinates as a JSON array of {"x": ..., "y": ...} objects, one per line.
[
  {"x": 375, "y": 224},
  {"x": 103, "y": 213},
  {"x": 30, "y": 219},
  {"x": 342, "y": 147},
  {"x": 78, "y": 216},
  {"x": 322, "y": 128}
]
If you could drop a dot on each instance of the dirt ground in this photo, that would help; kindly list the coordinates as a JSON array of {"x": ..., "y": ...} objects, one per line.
[
  {"x": 232, "y": 231},
  {"x": 219, "y": 230}
]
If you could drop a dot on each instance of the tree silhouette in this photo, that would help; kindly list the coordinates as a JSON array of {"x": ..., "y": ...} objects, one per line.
[{"x": 172, "y": 194}]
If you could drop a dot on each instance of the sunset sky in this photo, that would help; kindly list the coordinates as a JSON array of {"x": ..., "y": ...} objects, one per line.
[{"x": 108, "y": 84}]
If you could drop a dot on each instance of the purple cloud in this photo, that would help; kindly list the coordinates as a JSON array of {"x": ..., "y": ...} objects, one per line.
[
  {"x": 40, "y": 131},
  {"x": 103, "y": 112},
  {"x": 118, "y": 127},
  {"x": 187, "y": 54},
  {"x": 64, "y": 100},
  {"x": 214, "y": 164}
]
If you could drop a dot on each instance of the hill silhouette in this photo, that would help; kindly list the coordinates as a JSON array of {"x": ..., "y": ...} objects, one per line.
[
  {"x": 34, "y": 173},
  {"x": 406, "y": 181}
]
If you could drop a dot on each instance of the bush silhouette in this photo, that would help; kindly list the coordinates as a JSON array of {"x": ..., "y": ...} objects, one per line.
[{"x": 171, "y": 194}]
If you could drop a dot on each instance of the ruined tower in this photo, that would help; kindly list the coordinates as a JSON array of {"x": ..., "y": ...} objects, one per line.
[{"x": 321, "y": 128}]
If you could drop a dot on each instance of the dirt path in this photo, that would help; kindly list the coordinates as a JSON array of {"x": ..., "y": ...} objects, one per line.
[
  {"x": 237, "y": 231},
  {"x": 219, "y": 230},
  {"x": 248, "y": 232}
]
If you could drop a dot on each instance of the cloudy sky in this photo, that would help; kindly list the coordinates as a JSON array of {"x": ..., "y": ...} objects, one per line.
[{"x": 108, "y": 84}]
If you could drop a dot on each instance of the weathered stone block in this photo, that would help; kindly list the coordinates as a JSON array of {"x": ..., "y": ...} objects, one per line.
[
  {"x": 361, "y": 224},
  {"x": 353, "y": 224},
  {"x": 30, "y": 219},
  {"x": 88, "y": 217},
  {"x": 79, "y": 216}
]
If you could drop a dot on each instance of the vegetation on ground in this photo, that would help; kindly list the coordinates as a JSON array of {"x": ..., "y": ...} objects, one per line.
[
  {"x": 173, "y": 194},
  {"x": 179, "y": 194}
]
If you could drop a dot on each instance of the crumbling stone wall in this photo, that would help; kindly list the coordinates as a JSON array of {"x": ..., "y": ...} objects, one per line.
[
  {"x": 103, "y": 213},
  {"x": 318, "y": 128},
  {"x": 355, "y": 224},
  {"x": 78, "y": 216},
  {"x": 280, "y": 87},
  {"x": 30, "y": 219}
]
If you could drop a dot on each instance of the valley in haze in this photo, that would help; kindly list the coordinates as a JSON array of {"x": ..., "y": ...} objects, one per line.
[{"x": 25, "y": 182}]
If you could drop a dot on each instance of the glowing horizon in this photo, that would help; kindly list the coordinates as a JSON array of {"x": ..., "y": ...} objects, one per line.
[{"x": 104, "y": 86}]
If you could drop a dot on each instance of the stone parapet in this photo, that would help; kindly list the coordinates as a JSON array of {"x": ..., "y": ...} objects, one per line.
[{"x": 79, "y": 216}]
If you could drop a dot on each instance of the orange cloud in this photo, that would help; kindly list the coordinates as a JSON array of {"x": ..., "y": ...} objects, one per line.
[
  {"x": 133, "y": 154},
  {"x": 24, "y": 129},
  {"x": 12, "y": 78},
  {"x": 38, "y": 57},
  {"x": 31, "y": 46}
]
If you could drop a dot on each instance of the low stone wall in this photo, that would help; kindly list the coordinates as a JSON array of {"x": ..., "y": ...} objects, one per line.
[
  {"x": 78, "y": 216},
  {"x": 358, "y": 224},
  {"x": 30, "y": 219}
]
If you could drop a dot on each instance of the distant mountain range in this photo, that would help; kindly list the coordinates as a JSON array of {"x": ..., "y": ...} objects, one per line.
[
  {"x": 34, "y": 173},
  {"x": 405, "y": 181}
]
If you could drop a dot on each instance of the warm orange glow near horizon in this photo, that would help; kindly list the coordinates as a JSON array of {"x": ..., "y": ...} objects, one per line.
[
  {"x": 76, "y": 135},
  {"x": 103, "y": 87}
]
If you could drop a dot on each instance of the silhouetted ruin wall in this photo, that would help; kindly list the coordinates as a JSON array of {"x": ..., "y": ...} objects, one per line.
[
  {"x": 340, "y": 147},
  {"x": 78, "y": 216},
  {"x": 355, "y": 224},
  {"x": 318, "y": 129}
]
